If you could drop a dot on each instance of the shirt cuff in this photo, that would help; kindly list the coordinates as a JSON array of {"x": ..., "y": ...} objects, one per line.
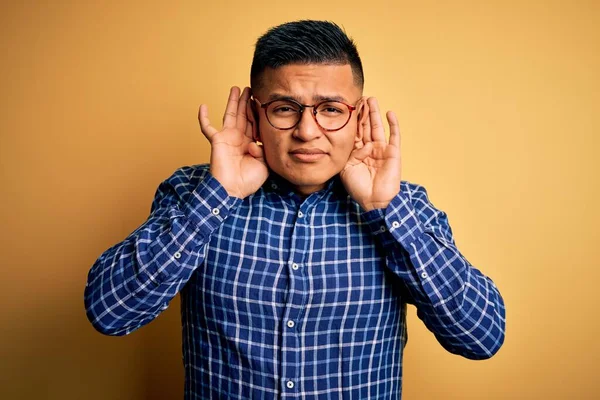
[
  {"x": 399, "y": 218},
  {"x": 209, "y": 205}
]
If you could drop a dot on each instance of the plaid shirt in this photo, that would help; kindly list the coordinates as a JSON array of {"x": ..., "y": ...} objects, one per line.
[{"x": 285, "y": 298}]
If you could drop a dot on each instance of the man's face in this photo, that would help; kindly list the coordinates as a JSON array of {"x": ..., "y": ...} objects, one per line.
[{"x": 306, "y": 155}]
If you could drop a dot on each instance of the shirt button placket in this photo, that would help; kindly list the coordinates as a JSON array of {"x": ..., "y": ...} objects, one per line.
[{"x": 291, "y": 340}]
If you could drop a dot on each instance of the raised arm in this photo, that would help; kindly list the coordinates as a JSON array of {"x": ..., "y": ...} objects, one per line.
[
  {"x": 133, "y": 281},
  {"x": 460, "y": 305}
]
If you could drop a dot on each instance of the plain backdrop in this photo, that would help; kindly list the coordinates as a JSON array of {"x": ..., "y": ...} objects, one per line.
[{"x": 499, "y": 105}]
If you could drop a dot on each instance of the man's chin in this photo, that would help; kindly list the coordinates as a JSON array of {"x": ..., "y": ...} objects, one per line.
[
  {"x": 307, "y": 185},
  {"x": 306, "y": 176}
]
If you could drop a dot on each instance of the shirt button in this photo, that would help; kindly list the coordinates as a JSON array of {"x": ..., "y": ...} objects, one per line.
[
  {"x": 382, "y": 229},
  {"x": 294, "y": 266},
  {"x": 290, "y": 324},
  {"x": 215, "y": 211},
  {"x": 177, "y": 255},
  {"x": 424, "y": 275},
  {"x": 290, "y": 384},
  {"x": 273, "y": 186},
  {"x": 395, "y": 224},
  {"x": 300, "y": 215}
]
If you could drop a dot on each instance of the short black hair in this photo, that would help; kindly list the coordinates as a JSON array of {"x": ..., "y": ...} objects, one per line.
[{"x": 305, "y": 42}]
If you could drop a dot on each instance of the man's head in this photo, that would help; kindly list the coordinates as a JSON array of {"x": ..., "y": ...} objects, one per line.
[
  {"x": 308, "y": 62},
  {"x": 304, "y": 42}
]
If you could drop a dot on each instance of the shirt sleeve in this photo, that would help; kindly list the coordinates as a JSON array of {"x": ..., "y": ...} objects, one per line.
[
  {"x": 460, "y": 305},
  {"x": 134, "y": 281}
]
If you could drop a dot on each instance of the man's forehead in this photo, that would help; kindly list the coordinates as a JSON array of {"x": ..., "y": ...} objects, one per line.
[{"x": 305, "y": 82}]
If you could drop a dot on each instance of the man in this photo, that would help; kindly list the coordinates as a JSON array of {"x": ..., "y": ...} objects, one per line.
[{"x": 297, "y": 249}]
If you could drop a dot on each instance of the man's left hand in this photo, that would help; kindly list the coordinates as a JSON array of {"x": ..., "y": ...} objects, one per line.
[{"x": 373, "y": 172}]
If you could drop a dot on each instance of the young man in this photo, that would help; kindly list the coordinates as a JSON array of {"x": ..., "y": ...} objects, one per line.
[{"x": 297, "y": 249}]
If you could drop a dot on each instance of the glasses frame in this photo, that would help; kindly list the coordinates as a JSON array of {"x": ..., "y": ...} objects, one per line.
[{"x": 302, "y": 108}]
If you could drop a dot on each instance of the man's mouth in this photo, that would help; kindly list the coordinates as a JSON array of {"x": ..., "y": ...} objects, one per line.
[
  {"x": 307, "y": 155},
  {"x": 308, "y": 151}
]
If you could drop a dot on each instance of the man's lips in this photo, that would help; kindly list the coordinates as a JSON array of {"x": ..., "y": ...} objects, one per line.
[
  {"x": 307, "y": 151},
  {"x": 307, "y": 155}
]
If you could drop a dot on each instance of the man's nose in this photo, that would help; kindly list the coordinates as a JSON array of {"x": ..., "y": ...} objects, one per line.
[{"x": 307, "y": 129}]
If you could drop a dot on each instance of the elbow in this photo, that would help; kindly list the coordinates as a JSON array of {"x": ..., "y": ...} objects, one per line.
[
  {"x": 102, "y": 328},
  {"x": 476, "y": 351},
  {"x": 494, "y": 342},
  {"x": 493, "y": 337},
  {"x": 487, "y": 335},
  {"x": 478, "y": 342},
  {"x": 94, "y": 315},
  {"x": 496, "y": 345},
  {"x": 484, "y": 351},
  {"x": 487, "y": 345}
]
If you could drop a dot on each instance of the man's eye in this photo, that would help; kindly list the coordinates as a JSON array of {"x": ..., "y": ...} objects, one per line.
[
  {"x": 331, "y": 108},
  {"x": 284, "y": 109}
]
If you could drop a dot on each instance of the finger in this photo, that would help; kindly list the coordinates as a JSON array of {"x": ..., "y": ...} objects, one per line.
[
  {"x": 230, "y": 116},
  {"x": 241, "y": 110},
  {"x": 377, "y": 129},
  {"x": 207, "y": 129},
  {"x": 365, "y": 122},
  {"x": 394, "y": 129},
  {"x": 249, "y": 131}
]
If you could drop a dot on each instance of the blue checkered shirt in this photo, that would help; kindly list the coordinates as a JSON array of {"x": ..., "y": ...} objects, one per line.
[{"x": 289, "y": 298}]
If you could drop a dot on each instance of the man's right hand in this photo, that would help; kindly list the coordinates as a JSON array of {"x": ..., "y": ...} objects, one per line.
[{"x": 236, "y": 160}]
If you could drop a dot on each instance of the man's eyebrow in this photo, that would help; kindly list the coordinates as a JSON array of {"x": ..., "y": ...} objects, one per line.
[
  {"x": 316, "y": 98},
  {"x": 279, "y": 96},
  {"x": 319, "y": 98}
]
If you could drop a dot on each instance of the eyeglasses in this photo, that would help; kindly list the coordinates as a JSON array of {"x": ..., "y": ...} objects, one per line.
[{"x": 285, "y": 114}]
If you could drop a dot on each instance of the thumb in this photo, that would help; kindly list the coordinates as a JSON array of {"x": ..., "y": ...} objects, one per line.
[{"x": 207, "y": 129}]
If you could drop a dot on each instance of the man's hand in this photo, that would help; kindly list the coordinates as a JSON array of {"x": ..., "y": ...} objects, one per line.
[
  {"x": 236, "y": 161},
  {"x": 373, "y": 172}
]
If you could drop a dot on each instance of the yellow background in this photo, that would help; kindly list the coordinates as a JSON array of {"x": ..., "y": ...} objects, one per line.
[{"x": 499, "y": 107}]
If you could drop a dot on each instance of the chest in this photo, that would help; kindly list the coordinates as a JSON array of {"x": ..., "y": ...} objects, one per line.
[{"x": 270, "y": 263}]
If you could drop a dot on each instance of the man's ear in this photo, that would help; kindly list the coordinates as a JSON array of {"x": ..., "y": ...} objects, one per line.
[
  {"x": 252, "y": 115},
  {"x": 362, "y": 112}
]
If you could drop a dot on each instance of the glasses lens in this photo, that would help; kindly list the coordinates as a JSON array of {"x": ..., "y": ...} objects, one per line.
[
  {"x": 283, "y": 114},
  {"x": 332, "y": 114}
]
